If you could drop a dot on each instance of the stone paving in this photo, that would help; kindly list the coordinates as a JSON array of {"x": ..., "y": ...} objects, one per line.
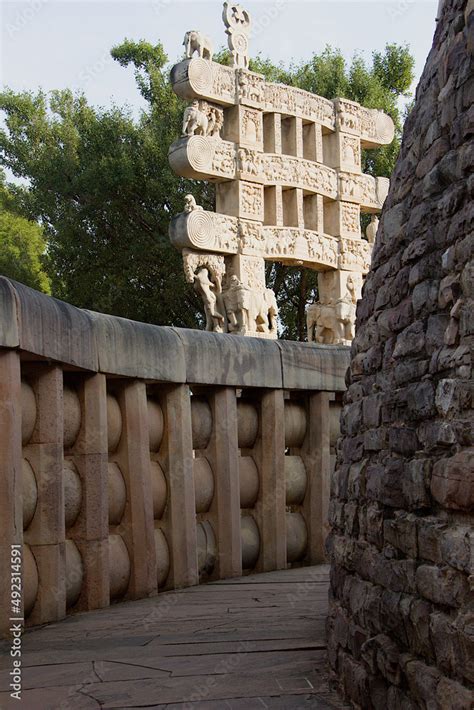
[{"x": 253, "y": 642}]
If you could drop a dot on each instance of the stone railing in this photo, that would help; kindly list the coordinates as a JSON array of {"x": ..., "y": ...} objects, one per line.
[{"x": 137, "y": 458}]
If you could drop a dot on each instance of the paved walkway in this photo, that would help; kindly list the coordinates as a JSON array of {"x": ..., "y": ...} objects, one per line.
[{"x": 250, "y": 643}]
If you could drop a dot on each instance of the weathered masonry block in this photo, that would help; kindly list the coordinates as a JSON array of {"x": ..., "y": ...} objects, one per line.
[
  {"x": 136, "y": 459},
  {"x": 401, "y": 622}
]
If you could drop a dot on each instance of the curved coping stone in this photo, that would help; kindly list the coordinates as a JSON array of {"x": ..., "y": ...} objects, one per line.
[
  {"x": 134, "y": 349},
  {"x": 50, "y": 328},
  {"x": 9, "y": 333},
  {"x": 53, "y": 329},
  {"x": 309, "y": 366},
  {"x": 233, "y": 360}
]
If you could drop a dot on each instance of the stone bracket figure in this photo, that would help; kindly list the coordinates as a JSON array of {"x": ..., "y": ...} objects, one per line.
[
  {"x": 202, "y": 120},
  {"x": 195, "y": 120},
  {"x": 237, "y": 304},
  {"x": 195, "y": 41},
  {"x": 326, "y": 323},
  {"x": 207, "y": 291},
  {"x": 332, "y": 322},
  {"x": 248, "y": 310}
]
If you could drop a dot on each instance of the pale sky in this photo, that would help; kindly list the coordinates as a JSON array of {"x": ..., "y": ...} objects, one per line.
[{"x": 56, "y": 44}]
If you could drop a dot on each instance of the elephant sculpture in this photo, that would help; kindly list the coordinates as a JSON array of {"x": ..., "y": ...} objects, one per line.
[
  {"x": 265, "y": 311},
  {"x": 250, "y": 310},
  {"x": 195, "y": 41},
  {"x": 331, "y": 323},
  {"x": 195, "y": 120}
]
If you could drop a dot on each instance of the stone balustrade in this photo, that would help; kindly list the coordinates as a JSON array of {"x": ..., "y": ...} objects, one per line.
[{"x": 137, "y": 458}]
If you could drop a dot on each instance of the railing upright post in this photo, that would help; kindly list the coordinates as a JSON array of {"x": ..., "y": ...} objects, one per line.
[
  {"x": 11, "y": 510},
  {"x": 46, "y": 533},
  {"x": 270, "y": 458},
  {"x": 176, "y": 459},
  {"x": 316, "y": 456}
]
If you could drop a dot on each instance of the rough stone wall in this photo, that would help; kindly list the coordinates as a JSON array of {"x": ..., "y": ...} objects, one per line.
[{"x": 401, "y": 624}]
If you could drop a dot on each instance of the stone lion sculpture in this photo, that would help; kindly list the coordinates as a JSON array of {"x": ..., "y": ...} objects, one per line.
[
  {"x": 195, "y": 41},
  {"x": 190, "y": 204}
]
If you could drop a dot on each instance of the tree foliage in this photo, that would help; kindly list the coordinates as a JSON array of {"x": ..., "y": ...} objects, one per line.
[
  {"x": 22, "y": 245},
  {"x": 99, "y": 182}
]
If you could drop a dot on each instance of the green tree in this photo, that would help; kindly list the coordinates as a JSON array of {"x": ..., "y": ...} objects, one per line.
[
  {"x": 100, "y": 184},
  {"x": 22, "y": 245}
]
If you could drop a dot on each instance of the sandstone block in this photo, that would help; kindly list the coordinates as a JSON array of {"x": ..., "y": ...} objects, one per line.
[
  {"x": 353, "y": 419},
  {"x": 450, "y": 694},
  {"x": 464, "y": 645},
  {"x": 415, "y": 483},
  {"x": 375, "y": 521},
  {"x": 457, "y": 548},
  {"x": 409, "y": 370},
  {"x": 401, "y": 532},
  {"x": 375, "y": 439},
  {"x": 354, "y": 678},
  {"x": 395, "y": 319},
  {"x": 434, "y": 434},
  {"x": 424, "y": 297},
  {"x": 430, "y": 531},
  {"x": 420, "y": 400},
  {"x": 422, "y": 681},
  {"x": 371, "y": 411},
  {"x": 417, "y": 623},
  {"x": 410, "y": 341},
  {"x": 442, "y": 585},
  {"x": 384, "y": 483},
  {"x": 452, "y": 483},
  {"x": 451, "y": 397},
  {"x": 357, "y": 479},
  {"x": 445, "y": 641},
  {"x": 403, "y": 440},
  {"x": 381, "y": 654},
  {"x": 396, "y": 699}
]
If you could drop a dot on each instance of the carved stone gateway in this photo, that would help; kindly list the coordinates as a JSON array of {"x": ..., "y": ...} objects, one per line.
[{"x": 289, "y": 188}]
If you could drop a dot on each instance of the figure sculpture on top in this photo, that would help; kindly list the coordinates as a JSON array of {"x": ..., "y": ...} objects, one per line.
[
  {"x": 195, "y": 41},
  {"x": 190, "y": 204}
]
